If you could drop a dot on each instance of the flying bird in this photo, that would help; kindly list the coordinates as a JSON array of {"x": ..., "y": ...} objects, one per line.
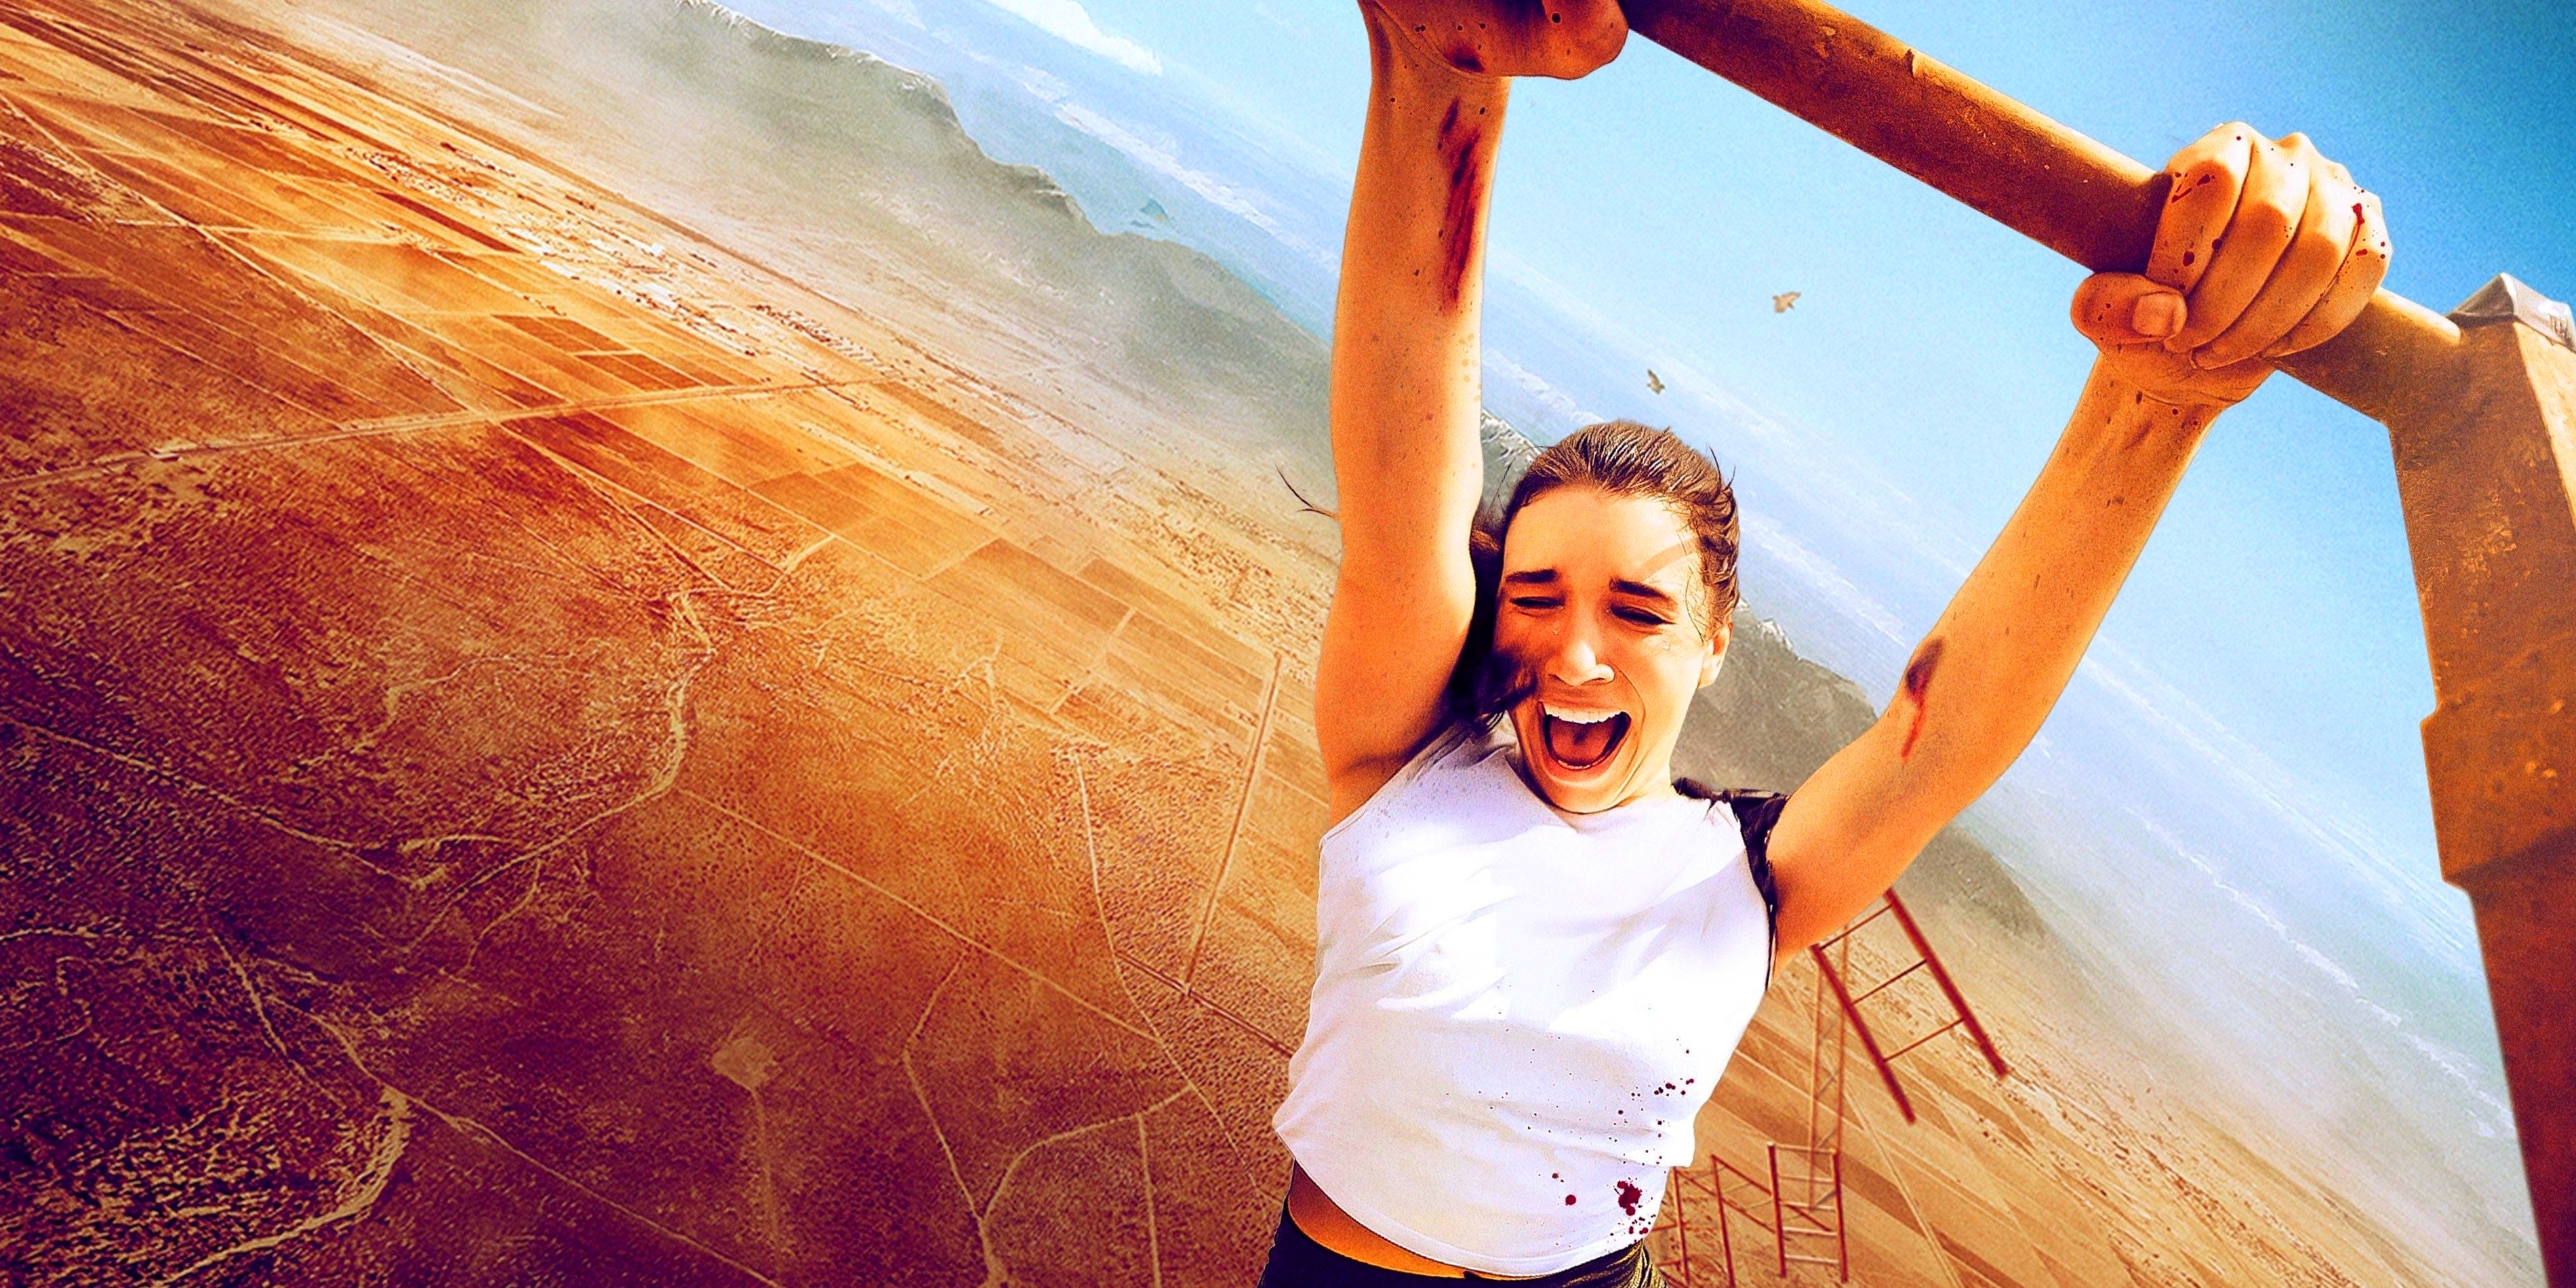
[
  {"x": 1784, "y": 301},
  {"x": 1653, "y": 381}
]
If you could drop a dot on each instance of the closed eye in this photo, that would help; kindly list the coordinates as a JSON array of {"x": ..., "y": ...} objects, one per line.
[
  {"x": 1535, "y": 601},
  {"x": 1642, "y": 617}
]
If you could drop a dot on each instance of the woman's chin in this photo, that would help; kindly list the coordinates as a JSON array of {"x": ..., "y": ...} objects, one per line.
[{"x": 1574, "y": 800}]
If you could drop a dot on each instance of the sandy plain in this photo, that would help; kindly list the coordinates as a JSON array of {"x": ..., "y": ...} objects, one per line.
[{"x": 545, "y": 744}]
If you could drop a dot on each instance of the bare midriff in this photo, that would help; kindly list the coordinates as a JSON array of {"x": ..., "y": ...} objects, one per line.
[{"x": 1326, "y": 1223}]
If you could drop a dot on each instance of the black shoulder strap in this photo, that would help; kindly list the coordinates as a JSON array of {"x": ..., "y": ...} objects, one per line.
[{"x": 1755, "y": 815}]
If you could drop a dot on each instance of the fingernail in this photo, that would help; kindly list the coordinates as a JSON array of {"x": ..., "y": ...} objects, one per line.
[{"x": 2158, "y": 315}]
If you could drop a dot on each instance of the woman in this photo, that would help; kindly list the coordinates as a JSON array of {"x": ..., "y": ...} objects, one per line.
[{"x": 1536, "y": 952}]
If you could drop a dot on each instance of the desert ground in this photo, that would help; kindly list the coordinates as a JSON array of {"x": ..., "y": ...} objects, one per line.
[{"x": 561, "y": 728}]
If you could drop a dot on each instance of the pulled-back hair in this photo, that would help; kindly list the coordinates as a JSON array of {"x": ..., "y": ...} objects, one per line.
[{"x": 1623, "y": 458}]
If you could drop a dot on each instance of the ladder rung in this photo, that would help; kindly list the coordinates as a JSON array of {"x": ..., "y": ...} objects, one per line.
[
  {"x": 1852, "y": 929},
  {"x": 1874, "y": 989},
  {"x": 1923, "y": 1039}
]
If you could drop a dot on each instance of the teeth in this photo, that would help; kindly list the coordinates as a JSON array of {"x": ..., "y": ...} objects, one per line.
[{"x": 1573, "y": 716}]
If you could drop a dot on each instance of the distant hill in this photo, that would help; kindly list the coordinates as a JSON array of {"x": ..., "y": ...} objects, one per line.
[{"x": 862, "y": 167}]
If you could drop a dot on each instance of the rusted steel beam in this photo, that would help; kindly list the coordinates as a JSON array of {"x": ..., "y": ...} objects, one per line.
[
  {"x": 2488, "y": 481},
  {"x": 2481, "y": 415},
  {"x": 2035, "y": 176}
]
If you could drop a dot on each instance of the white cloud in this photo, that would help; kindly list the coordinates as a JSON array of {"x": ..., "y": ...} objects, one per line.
[
  {"x": 1547, "y": 395},
  {"x": 902, "y": 11},
  {"x": 2404, "y": 884},
  {"x": 1067, "y": 20},
  {"x": 1763, "y": 534}
]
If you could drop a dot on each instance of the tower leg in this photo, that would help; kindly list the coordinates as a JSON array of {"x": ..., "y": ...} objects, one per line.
[{"x": 2487, "y": 473}]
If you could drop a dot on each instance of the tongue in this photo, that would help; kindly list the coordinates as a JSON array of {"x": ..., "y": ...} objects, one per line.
[{"x": 1580, "y": 746}]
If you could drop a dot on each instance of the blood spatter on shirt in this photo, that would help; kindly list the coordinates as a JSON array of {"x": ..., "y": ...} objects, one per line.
[{"x": 1629, "y": 1197}]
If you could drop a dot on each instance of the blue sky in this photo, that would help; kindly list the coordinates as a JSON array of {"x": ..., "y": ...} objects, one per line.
[{"x": 2234, "y": 786}]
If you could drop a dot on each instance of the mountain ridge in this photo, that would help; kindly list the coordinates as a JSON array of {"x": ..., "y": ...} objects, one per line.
[{"x": 854, "y": 172}]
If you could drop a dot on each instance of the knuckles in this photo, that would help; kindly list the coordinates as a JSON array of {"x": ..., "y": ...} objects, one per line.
[
  {"x": 2267, "y": 218},
  {"x": 2234, "y": 185},
  {"x": 2324, "y": 239},
  {"x": 2204, "y": 171}
]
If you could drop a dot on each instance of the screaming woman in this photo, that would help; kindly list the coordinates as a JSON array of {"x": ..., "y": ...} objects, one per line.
[{"x": 1536, "y": 950}]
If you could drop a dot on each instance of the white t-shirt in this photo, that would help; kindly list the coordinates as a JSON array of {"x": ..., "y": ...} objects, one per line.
[{"x": 1517, "y": 1012}]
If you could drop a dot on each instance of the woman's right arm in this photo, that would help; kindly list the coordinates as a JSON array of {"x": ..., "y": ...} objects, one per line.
[{"x": 1405, "y": 380}]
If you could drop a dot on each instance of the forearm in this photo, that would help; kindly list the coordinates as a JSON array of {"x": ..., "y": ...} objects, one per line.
[
  {"x": 1405, "y": 376},
  {"x": 1983, "y": 681},
  {"x": 1404, "y": 404},
  {"x": 2253, "y": 256}
]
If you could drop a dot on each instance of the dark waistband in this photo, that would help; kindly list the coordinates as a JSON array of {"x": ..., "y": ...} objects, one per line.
[{"x": 1297, "y": 1261}]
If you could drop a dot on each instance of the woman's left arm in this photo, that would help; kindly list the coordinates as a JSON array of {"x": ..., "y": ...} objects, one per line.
[{"x": 2265, "y": 248}]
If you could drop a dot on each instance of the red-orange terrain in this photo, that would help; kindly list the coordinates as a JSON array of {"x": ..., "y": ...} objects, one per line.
[{"x": 559, "y": 730}]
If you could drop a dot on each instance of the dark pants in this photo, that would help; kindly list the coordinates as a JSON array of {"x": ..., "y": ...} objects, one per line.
[{"x": 1297, "y": 1261}]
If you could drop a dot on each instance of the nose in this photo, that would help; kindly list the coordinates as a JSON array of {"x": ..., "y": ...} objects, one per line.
[{"x": 1576, "y": 662}]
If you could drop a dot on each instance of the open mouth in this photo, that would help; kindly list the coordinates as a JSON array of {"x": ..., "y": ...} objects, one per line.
[{"x": 1580, "y": 740}]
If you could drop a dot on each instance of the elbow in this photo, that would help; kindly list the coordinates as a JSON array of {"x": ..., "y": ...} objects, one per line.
[
  {"x": 1941, "y": 769},
  {"x": 1947, "y": 772}
]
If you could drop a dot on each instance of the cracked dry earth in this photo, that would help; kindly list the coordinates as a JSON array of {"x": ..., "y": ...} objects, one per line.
[{"x": 536, "y": 752}]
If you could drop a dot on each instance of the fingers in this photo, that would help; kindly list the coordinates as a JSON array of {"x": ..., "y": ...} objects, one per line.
[
  {"x": 2263, "y": 248},
  {"x": 1560, "y": 38},
  {"x": 2208, "y": 176},
  {"x": 1587, "y": 34},
  {"x": 2298, "y": 282},
  {"x": 2126, "y": 308},
  {"x": 2354, "y": 282},
  {"x": 2241, "y": 258}
]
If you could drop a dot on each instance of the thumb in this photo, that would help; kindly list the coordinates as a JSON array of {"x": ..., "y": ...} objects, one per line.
[{"x": 2124, "y": 308}]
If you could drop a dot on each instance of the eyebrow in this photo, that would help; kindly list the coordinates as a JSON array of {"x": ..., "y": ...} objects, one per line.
[
  {"x": 1639, "y": 589},
  {"x": 1621, "y": 585}
]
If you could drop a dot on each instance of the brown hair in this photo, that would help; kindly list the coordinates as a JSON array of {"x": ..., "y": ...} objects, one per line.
[{"x": 1623, "y": 458}]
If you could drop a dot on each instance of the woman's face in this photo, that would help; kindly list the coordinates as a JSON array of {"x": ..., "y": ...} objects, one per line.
[{"x": 1601, "y": 603}]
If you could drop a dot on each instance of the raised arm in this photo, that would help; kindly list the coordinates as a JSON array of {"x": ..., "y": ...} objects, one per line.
[
  {"x": 2265, "y": 248},
  {"x": 1405, "y": 386}
]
